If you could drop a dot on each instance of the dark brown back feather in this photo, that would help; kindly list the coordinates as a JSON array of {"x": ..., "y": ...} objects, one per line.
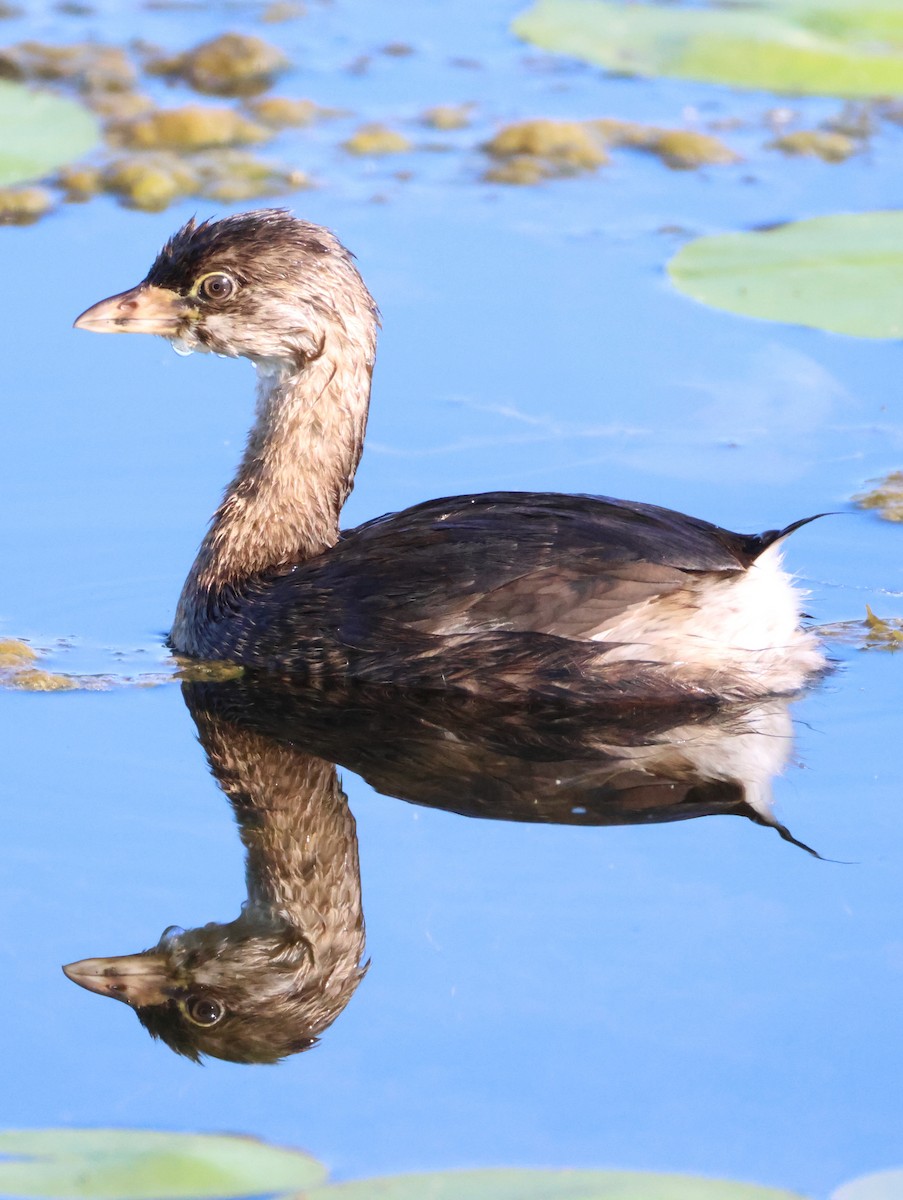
[{"x": 504, "y": 588}]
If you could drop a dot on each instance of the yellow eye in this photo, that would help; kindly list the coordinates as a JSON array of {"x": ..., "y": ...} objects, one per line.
[
  {"x": 203, "y": 1010},
  {"x": 217, "y": 286}
]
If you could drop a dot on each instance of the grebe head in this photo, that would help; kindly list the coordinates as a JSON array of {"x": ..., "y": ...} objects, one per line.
[
  {"x": 262, "y": 285},
  {"x": 253, "y": 990}
]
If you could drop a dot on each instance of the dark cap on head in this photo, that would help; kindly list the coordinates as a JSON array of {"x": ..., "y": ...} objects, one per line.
[{"x": 247, "y": 244}]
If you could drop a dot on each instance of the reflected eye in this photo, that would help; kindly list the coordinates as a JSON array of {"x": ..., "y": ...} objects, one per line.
[
  {"x": 202, "y": 1010},
  {"x": 217, "y": 286}
]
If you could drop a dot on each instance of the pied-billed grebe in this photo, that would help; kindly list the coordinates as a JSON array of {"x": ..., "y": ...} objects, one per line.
[{"x": 508, "y": 592}]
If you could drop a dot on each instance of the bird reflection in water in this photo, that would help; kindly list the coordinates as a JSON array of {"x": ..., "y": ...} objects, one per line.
[{"x": 267, "y": 984}]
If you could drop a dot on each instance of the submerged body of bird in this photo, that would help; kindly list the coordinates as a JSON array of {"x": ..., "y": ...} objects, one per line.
[{"x": 511, "y": 593}]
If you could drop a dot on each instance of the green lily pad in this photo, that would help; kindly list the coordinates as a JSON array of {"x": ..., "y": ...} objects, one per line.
[
  {"x": 823, "y": 47},
  {"x": 40, "y": 132},
  {"x": 882, "y": 1185},
  {"x": 129, "y": 1164},
  {"x": 841, "y": 273},
  {"x": 545, "y": 1185}
]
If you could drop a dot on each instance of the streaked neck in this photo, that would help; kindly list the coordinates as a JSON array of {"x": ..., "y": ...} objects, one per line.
[{"x": 284, "y": 503}]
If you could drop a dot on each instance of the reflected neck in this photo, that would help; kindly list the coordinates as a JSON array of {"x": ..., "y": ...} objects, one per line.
[{"x": 302, "y": 871}]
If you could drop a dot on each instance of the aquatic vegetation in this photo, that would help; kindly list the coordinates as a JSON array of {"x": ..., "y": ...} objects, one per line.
[
  {"x": 859, "y": 120},
  {"x": 615, "y": 132},
  {"x": 198, "y": 671},
  {"x": 522, "y": 169},
  {"x": 279, "y": 112},
  {"x": 542, "y": 149},
  {"x": 886, "y": 634},
  {"x": 828, "y": 47},
  {"x": 232, "y": 64},
  {"x": 15, "y": 653},
  {"x": 231, "y": 176},
  {"x": 185, "y": 151},
  {"x": 816, "y": 143},
  {"x": 153, "y": 181},
  {"x": 881, "y": 1185},
  {"x": 839, "y": 273},
  {"x": 538, "y": 1184},
  {"x": 79, "y": 183},
  {"x": 552, "y": 147},
  {"x": 149, "y": 182},
  {"x": 684, "y": 149},
  {"x": 24, "y": 205},
  {"x": 120, "y": 106},
  {"x": 681, "y": 149},
  {"x": 871, "y": 633},
  {"x": 87, "y": 67},
  {"x": 447, "y": 116},
  {"x": 282, "y": 10},
  {"x": 39, "y": 132},
  {"x": 134, "y": 1164},
  {"x": 194, "y": 127},
  {"x": 34, "y": 680},
  {"x": 377, "y": 140},
  {"x": 19, "y": 671},
  {"x": 886, "y": 497},
  {"x": 142, "y": 1164}
]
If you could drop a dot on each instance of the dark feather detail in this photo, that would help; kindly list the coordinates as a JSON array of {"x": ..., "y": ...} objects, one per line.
[
  {"x": 549, "y": 763},
  {"x": 500, "y": 591},
  {"x": 751, "y": 546},
  {"x": 244, "y": 244}
]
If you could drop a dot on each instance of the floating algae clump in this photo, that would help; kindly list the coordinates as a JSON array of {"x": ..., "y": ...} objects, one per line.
[
  {"x": 231, "y": 176},
  {"x": 376, "y": 140},
  {"x": 79, "y": 183},
  {"x": 887, "y": 497},
  {"x": 857, "y": 120},
  {"x": 282, "y": 10},
  {"x": 200, "y": 671},
  {"x": 229, "y": 65},
  {"x": 886, "y": 635},
  {"x": 615, "y": 132},
  {"x": 153, "y": 181},
  {"x": 447, "y": 116},
  {"x": 17, "y": 670},
  {"x": 149, "y": 182},
  {"x": 545, "y": 149},
  {"x": 14, "y": 653},
  {"x": 680, "y": 149},
  {"x": 119, "y": 106},
  {"x": 279, "y": 112},
  {"x": 871, "y": 633},
  {"x": 24, "y": 205},
  {"x": 560, "y": 148},
  {"x": 684, "y": 150},
  {"x": 35, "y": 680},
  {"x": 522, "y": 169},
  {"x": 193, "y": 127},
  {"x": 86, "y": 66},
  {"x": 816, "y": 143}
]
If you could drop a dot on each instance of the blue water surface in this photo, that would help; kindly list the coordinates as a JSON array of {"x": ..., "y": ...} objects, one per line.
[{"x": 693, "y": 997}]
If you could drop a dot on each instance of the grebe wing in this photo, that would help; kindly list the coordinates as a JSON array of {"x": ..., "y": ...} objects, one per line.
[{"x": 513, "y": 561}]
